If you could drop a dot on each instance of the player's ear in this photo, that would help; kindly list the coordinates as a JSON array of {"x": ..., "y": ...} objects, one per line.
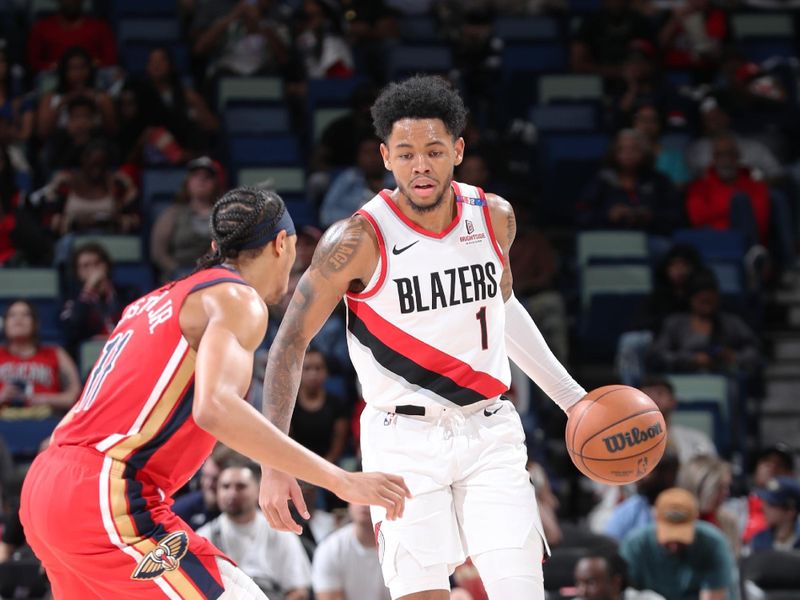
[
  {"x": 214, "y": 245},
  {"x": 385, "y": 156},
  {"x": 459, "y": 146},
  {"x": 280, "y": 242}
]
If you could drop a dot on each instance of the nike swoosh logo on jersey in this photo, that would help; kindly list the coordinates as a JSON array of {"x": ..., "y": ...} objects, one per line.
[
  {"x": 396, "y": 250},
  {"x": 486, "y": 412}
]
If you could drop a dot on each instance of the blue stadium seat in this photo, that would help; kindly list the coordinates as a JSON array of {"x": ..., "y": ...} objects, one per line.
[
  {"x": 419, "y": 29},
  {"x": 24, "y": 436},
  {"x": 526, "y": 29},
  {"x": 161, "y": 184},
  {"x": 713, "y": 244},
  {"x": 534, "y": 58},
  {"x": 256, "y": 119},
  {"x": 407, "y": 60},
  {"x": 151, "y": 30},
  {"x": 302, "y": 211},
  {"x": 607, "y": 317},
  {"x": 564, "y": 117},
  {"x": 559, "y": 147},
  {"x": 759, "y": 50},
  {"x": 139, "y": 277},
  {"x": 134, "y": 56},
  {"x": 264, "y": 150},
  {"x": 705, "y": 416},
  {"x": 150, "y": 8},
  {"x": 331, "y": 92}
]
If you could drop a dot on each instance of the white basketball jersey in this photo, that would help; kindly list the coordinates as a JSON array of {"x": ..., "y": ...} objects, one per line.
[{"x": 429, "y": 328}]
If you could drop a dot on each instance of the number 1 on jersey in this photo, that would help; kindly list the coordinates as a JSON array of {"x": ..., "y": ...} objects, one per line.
[{"x": 481, "y": 316}]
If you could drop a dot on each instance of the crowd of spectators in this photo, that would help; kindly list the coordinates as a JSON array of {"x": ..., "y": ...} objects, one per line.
[{"x": 689, "y": 129}]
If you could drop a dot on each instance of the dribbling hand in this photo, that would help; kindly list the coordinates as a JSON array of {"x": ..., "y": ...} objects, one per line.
[{"x": 378, "y": 489}]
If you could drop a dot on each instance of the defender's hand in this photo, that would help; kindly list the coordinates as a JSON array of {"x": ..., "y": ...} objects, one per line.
[
  {"x": 379, "y": 489},
  {"x": 277, "y": 489}
]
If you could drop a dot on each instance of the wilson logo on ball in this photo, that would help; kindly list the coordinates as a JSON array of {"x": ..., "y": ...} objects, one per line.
[{"x": 620, "y": 441}]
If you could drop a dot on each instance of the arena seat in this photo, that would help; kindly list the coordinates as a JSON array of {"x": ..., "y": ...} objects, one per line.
[
  {"x": 775, "y": 572},
  {"x": 264, "y": 150},
  {"x": 151, "y": 30},
  {"x": 611, "y": 246},
  {"x": 255, "y": 119},
  {"x": 564, "y": 117},
  {"x": 257, "y": 89},
  {"x": 713, "y": 244},
  {"x": 284, "y": 180},
  {"x": 512, "y": 29},
  {"x": 570, "y": 87},
  {"x": 406, "y": 59}
]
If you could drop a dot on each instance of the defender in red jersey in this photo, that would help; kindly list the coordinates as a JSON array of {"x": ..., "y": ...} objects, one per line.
[{"x": 170, "y": 382}]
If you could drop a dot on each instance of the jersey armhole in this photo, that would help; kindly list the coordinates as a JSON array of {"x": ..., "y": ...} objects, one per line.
[
  {"x": 382, "y": 267},
  {"x": 487, "y": 219}
]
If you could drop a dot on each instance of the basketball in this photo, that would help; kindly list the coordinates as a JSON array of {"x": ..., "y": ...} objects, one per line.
[{"x": 616, "y": 435}]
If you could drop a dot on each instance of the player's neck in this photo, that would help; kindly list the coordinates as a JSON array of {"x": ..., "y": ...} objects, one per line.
[
  {"x": 254, "y": 273},
  {"x": 436, "y": 220}
]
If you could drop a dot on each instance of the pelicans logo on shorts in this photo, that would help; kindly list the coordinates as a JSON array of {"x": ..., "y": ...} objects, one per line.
[{"x": 164, "y": 557}]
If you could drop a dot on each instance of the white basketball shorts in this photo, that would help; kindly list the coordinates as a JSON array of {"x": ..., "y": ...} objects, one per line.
[{"x": 466, "y": 471}]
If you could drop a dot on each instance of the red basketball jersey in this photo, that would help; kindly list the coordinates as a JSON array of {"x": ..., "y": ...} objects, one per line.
[{"x": 136, "y": 406}]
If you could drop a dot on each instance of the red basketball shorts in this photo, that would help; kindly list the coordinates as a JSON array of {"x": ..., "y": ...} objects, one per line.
[{"x": 101, "y": 533}]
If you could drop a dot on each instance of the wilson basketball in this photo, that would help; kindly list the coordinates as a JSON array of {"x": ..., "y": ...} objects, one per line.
[{"x": 616, "y": 435}]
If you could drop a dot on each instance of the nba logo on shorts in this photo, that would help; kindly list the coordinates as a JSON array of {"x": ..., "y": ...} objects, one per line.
[{"x": 470, "y": 227}]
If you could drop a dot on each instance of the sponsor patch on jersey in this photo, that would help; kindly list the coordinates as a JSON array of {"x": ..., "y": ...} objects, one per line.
[
  {"x": 471, "y": 201},
  {"x": 471, "y": 237},
  {"x": 164, "y": 557}
]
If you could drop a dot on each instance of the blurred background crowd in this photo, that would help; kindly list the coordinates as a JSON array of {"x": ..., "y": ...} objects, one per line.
[{"x": 650, "y": 150}]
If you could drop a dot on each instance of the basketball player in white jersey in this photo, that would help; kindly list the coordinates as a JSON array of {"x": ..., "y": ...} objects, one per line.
[{"x": 432, "y": 322}]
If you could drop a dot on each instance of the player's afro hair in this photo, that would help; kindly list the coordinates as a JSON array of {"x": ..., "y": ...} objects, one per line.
[{"x": 419, "y": 97}]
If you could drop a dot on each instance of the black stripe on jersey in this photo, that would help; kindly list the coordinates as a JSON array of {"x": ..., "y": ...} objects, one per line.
[
  {"x": 406, "y": 368},
  {"x": 178, "y": 417}
]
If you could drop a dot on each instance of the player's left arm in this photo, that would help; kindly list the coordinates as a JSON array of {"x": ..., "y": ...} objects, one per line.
[
  {"x": 524, "y": 342},
  {"x": 70, "y": 382}
]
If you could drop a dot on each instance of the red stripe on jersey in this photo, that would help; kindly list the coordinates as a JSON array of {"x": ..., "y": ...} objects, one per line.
[
  {"x": 368, "y": 293},
  {"x": 487, "y": 217},
  {"x": 421, "y": 230},
  {"x": 427, "y": 356}
]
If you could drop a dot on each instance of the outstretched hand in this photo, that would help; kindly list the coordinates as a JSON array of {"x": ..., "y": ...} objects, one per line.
[
  {"x": 378, "y": 489},
  {"x": 277, "y": 488}
]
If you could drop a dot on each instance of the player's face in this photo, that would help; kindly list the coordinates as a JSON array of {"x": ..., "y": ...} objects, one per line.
[
  {"x": 237, "y": 491},
  {"x": 592, "y": 580},
  {"x": 421, "y": 155}
]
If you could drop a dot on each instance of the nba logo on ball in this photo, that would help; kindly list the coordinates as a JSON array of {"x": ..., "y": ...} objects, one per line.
[{"x": 616, "y": 435}]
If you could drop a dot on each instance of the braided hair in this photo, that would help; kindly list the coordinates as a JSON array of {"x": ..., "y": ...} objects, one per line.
[{"x": 234, "y": 221}]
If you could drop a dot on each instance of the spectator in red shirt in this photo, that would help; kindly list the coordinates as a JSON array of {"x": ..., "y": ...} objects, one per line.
[
  {"x": 726, "y": 190},
  {"x": 51, "y": 36}
]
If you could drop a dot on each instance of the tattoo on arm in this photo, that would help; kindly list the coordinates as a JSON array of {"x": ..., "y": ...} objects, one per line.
[
  {"x": 285, "y": 364},
  {"x": 335, "y": 252},
  {"x": 507, "y": 280}
]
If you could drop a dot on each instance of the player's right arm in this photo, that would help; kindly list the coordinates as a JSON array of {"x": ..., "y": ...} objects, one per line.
[
  {"x": 344, "y": 260},
  {"x": 237, "y": 320}
]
